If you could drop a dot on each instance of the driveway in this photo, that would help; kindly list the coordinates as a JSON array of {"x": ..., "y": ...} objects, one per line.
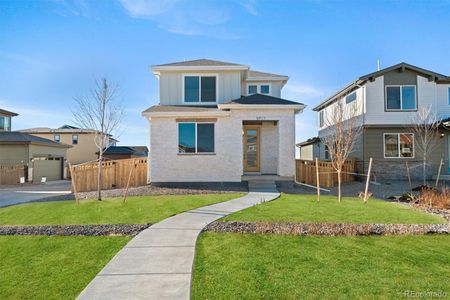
[{"x": 12, "y": 195}]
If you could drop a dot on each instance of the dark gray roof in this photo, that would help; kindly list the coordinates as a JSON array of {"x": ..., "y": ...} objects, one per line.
[
  {"x": 199, "y": 62},
  {"x": 253, "y": 73},
  {"x": 127, "y": 150},
  {"x": 68, "y": 127},
  {"x": 15, "y": 137},
  {"x": 7, "y": 112},
  {"x": 309, "y": 141},
  {"x": 363, "y": 79},
  {"x": 180, "y": 108},
  {"x": 263, "y": 100}
]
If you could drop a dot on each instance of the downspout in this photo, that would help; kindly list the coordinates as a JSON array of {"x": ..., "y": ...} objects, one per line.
[{"x": 363, "y": 126}]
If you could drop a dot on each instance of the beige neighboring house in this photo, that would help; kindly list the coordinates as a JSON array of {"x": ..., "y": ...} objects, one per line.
[
  {"x": 82, "y": 141},
  {"x": 42, "y": 157}
]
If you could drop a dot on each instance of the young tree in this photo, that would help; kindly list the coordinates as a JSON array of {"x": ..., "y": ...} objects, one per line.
[
  {"x": 425, "y": 126},
  {"x": 99, "y": 110},
  {"x": 343, "y": 130}
]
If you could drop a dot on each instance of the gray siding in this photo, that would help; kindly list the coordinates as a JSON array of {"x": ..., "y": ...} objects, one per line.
[
  {"x": 13, "y": 154},
  {"x": 407, "y": 77}
]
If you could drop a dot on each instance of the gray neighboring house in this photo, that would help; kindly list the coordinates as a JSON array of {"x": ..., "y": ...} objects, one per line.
[
  {"x": 387, "y": 101},
  {"x": 43, "y": 157},
  {"x": 311, "y": 149}
]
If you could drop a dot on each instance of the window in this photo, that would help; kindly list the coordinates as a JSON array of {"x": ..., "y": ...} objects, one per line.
[
  {"x": 252, "y": 89},
  {"x": 258, "y": 88},
  {"x": 57, "y": 138},
  {"x": 327, "y": 153},
  {"x": 5, "y": 123},
  {"x": 401, "y": 97},
  {"x": 321, "y": 118},
  {"x": 350, "y": 98},
  {"x": 449, "y": 96},
  {"x": 265, "y": 89},
  {"x": 195, "y": 138},
  {"x": 398, "y": 145},
  {"x": 200, "y": 89},
  {"x": 74, "y": 139}
]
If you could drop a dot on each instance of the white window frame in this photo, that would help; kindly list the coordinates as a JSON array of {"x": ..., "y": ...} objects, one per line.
[
  {"x": 200, "y": 88},
  {"x": 195, "y": 135},
  {"x": 59, "y": 138},
  {"x": 401, "y": 97},
  {"x": 258, "y": 88},
  {"x": 322, "y": 118},
  {"x": 355, "y": 100},
  {"x": 78, "y": 139},
  {"x": 398, "y": 145}
]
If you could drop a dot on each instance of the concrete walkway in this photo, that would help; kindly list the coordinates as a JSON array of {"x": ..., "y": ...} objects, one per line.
[{"x": 158, "y": 262}]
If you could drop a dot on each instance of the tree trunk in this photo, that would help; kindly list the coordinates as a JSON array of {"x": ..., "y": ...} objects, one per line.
[
  {"x": 339, "y": 186},
  {"x": 99, "y": 177},
  {"x": 424, "y": 169}
]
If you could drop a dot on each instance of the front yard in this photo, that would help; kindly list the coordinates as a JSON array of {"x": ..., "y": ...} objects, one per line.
[
  {"x": 305, "y": 208},
  {"x": 257, "y": 266},
  {"x": 136, "y": 210}
]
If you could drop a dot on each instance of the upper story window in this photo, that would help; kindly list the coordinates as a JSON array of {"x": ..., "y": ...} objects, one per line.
[
  {"x": 5, "y": 123},
  {"x": 350, "y": 98},
  {"x": 74, "y": 139},
  {"x": 57, "y": 138},
  {"x": 200, "y": 89},
  {"x": 321, "y": 118},
  {"x": 195, "y": 138},
  {"x": 258, "y": 88},
  {"x": 398, "y": 145},
  {"x": 401, "y": 97}
]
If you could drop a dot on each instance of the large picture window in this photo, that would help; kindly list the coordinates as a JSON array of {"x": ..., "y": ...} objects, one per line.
[
  {"x": 401, "y": 97},
  {"x": 200, "y": 89},
  {"x": 195, "y": 138},
  {"x": 398, "y": 145}
]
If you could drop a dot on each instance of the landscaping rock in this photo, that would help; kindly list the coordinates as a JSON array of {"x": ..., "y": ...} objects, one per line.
[
  {"x": 85, "y": 230},
  {"x": 328, "y": 229}
]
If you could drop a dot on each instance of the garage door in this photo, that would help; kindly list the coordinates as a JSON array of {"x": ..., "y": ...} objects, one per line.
[{"x": 48, "y": 168}]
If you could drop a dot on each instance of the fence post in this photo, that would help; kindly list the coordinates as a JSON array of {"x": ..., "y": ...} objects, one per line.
[
  {"x": 128, "y": 182},
  {"x": 317, "y": 179},
  {"x": 368, "y": 180},
  {"x": 439, "y": 172},
  {"x": 72, "y": 179}
]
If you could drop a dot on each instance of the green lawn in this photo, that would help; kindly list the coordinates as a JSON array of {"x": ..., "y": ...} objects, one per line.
[
  {"x": 229, "y": 265},
  {"x": 40, "y": 267},
  {"x": 137, "y": 210},
  {"x": 305, "y": 208}
]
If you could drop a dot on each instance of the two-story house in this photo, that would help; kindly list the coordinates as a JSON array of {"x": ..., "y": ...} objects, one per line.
[
  {"x": 42, "y": 157},
  {"x": 82, "y": 141},
  {"x": 220, "y": 122},
  {"x": 387, "y": 102}
]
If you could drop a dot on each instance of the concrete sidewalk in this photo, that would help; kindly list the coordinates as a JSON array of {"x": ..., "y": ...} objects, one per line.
[{"x": 158, "y": 262}]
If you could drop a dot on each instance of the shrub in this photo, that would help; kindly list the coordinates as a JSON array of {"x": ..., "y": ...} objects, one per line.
[{"x": 435, "y": 199}]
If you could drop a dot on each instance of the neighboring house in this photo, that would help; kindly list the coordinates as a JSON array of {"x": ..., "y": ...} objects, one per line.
[
  {"x": 219, "y": 122},
  {"x": 5, "y": 120},
  {"x": 123, "y": 152},
  {"x": 311, "y": 149},
  {"x": 43, "y": 157},
  {"x": 82, "y": 140},
  {"x": 387, "y": 101}
]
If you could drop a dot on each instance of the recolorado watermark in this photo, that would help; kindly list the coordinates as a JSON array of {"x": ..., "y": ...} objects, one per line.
[{"x": 425, "y": 294}]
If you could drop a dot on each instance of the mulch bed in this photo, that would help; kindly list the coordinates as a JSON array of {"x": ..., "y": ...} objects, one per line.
[
  {"x": 327, "y": 229},
  {"x": 85, "y": 230}
]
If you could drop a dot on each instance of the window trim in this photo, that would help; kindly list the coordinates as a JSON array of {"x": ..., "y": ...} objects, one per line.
[
  {"x": 258, "y": 88},
  {"x": 398, "y": 145},
  {"x": 354, "y": 100},
  {"x": 195, "y": 135},
  {"x": 322, "y": 118},
  {"x": 59, "y": 138},
  {"x": 401, "y": 98},
  {"x": 200, "y": 75}
]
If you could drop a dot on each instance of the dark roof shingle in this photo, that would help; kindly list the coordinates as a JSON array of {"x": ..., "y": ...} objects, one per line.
[
  {"x": 263, "y": 100},
  {"x": 20, "y": 137},
  {"x": 180, "y": 108},
  {"x": 198, "y": 62},
  {"x": 253, "y": 73},
  {"x": 8, "y": 113}
]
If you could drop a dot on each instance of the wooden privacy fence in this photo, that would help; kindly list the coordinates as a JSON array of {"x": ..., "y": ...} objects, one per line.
[
  {"x": 306, "y": 172},
  {"x": 12, "y": 174},
  {"x": 115, "y": 174}
]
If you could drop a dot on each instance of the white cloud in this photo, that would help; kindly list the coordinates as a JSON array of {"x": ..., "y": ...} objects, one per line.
[
  {"x": 250, "y": 6},
  {"x": 200, "y": 17}
]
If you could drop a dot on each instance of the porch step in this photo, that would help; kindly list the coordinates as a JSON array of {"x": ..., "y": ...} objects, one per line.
[{"x": 262, "y": 185}]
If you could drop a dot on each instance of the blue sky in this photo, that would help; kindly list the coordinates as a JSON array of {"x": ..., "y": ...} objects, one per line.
[{"x": 52, "y": 51}]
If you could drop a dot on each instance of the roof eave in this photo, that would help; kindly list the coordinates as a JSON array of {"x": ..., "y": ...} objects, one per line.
[
  {"x": 268, "y": 78},
  {"x": 206, "y": 114},
  {"x": 157, "y": 69},
  {"x": 296, "y": 107},
  {"x": 340, "y": 93}
]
